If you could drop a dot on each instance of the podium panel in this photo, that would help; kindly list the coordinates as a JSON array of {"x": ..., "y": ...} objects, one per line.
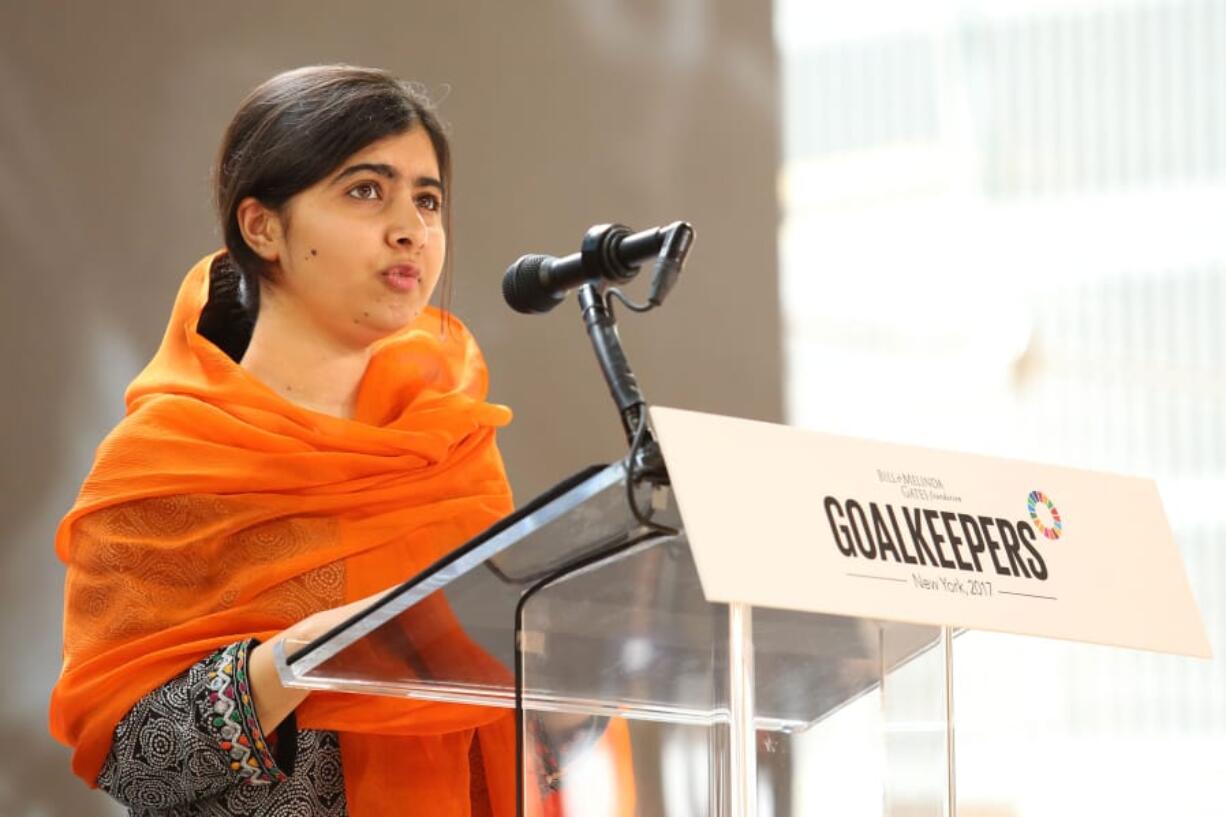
[
  {"x": 637, "y": 695},
  {"x": 633, "y": 639}
]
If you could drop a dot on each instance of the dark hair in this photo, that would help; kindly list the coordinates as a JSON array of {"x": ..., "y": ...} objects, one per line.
[{"x": 294, "y": 129}]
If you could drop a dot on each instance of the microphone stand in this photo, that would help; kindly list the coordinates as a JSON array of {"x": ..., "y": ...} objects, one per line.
[
  {"x": 609, "y": 253},
  {"x": 646, "y": 460},
  {"x": 602, "y": 331}
]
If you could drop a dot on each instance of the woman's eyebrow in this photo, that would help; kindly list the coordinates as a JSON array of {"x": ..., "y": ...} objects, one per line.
[{"x": 388, "y": 172}]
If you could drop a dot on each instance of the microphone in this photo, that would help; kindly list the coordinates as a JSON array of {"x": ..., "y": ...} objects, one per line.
[{"x": 610, "y": 252}]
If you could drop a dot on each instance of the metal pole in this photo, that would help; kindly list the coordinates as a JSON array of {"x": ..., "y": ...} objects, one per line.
[
  {"x": 951, "y": 793},
  {"x": 742, "y": 721}
]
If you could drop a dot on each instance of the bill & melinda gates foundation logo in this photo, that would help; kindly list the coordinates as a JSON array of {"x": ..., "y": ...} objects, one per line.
[{"x": 930, "y": 537}]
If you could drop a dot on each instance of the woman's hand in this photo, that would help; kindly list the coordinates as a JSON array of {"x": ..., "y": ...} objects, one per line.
[{"x": 273, "y": 700}]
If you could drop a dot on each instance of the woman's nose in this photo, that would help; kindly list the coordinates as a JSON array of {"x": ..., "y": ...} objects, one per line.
[{"x": 409, "y": 229}]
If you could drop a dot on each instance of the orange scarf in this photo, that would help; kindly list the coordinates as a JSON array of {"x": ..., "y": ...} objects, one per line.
[{"x": 218, "y": 511}]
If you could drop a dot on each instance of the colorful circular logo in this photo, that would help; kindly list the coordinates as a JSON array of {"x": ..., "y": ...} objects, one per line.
[{"x": 1051, "y": 530}]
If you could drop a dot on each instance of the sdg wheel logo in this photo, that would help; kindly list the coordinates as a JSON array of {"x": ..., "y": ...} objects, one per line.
[{"x": 1053, "y": 526}]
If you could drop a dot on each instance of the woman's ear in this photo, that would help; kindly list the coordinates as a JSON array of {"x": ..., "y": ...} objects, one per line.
[{"x": 261, "y": 229}]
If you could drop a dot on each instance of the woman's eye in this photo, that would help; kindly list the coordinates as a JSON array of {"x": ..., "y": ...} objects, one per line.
[
  {"x": 430, "y": 202},
  {"x": 364, "y": 189}
]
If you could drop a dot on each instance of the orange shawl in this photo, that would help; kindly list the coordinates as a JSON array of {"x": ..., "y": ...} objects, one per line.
[{"x": 217, "y": 511}]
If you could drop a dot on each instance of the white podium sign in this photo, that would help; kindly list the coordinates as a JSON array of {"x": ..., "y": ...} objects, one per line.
[{"x": 781, "y": 517}]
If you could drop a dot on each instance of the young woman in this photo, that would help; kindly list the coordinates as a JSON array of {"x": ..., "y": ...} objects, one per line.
[{"x": 309, "y": 432}]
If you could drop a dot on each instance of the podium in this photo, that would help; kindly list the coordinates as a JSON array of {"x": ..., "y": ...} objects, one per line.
[{"x": 594, "y": 628}]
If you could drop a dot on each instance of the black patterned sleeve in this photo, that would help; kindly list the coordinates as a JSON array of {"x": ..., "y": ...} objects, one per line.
[{"x": 195, "y": 736}]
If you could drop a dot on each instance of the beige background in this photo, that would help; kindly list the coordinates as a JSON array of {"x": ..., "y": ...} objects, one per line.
[{"x": 564, "y": 115}]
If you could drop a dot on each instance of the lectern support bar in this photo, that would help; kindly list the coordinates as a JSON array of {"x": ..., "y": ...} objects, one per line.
[
  {"x": 951, "y": 792},
  {"x": 744, "y": 735}
]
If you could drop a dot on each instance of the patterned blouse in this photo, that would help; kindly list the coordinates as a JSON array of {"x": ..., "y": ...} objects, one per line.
[{"x": 194, "y": 748}]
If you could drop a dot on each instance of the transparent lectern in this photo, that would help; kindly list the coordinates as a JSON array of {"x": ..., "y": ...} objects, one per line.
[{"x": 594, "y": 627}]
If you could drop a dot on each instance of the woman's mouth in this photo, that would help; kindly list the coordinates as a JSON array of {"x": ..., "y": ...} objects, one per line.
[{"x": 402, "y": 277}]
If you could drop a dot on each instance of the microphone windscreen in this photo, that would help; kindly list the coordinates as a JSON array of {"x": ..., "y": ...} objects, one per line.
[{"x": 523, "y": 289}]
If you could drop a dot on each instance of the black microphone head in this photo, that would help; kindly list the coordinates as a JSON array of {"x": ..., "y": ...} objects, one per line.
[{"x": 523, "y": 287}]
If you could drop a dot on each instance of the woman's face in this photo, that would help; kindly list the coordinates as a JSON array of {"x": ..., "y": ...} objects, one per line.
[{"x": 359, "y": 253}]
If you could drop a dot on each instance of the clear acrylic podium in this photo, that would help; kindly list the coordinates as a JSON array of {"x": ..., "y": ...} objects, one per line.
[{"x": 595, "y": 629}]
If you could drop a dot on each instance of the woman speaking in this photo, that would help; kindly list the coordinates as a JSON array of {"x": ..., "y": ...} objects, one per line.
[{"x": 309, "y": 432}]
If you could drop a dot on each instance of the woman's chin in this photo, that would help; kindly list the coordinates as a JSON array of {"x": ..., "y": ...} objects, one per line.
[{"x": 373, "y": 331}]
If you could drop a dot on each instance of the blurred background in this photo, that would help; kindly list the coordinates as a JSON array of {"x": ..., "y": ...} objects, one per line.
[
  {"x": 1001, "y": 233},
  {"x": 986, "y": 225}
]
